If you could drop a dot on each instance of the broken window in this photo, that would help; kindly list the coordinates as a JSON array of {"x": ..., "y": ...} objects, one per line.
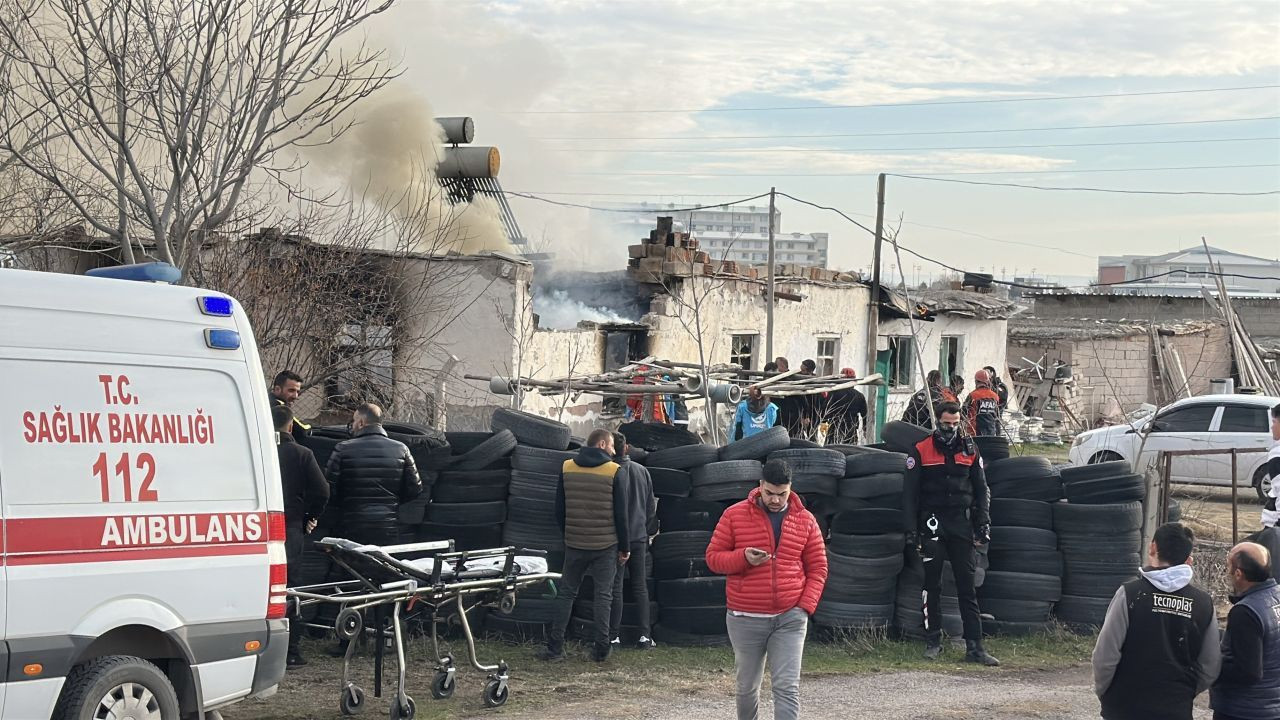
[
  {"x": 901, "y": 361},
  {"x": 742, "y": 351},
  {"x": 949, "y": 357},
  {"x": 827, "y": 355}
]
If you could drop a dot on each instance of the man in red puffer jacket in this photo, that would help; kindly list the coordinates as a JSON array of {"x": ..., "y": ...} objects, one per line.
[{"x": 772, "y": 551}]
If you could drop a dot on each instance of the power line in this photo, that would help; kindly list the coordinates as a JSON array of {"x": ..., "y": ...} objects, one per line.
[
  {"x": 696, "y": 173},
  {"x": 549, "y": 201},
  {"x": 1087, "y": 189},
  {"x": 1117, "y": 143},
  {"x": 1198, "y": 273},
  {"x": 927, "y": 103},
  {"x": 630, "y": 194},
  {"x": 828, "y": 136}
]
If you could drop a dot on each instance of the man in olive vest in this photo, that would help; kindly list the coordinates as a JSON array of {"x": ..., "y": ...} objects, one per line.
[
  {"x": 591, "y": 507},
  {"x": 1249, "y": 686},
  {"x": 1158, "y": 647}
]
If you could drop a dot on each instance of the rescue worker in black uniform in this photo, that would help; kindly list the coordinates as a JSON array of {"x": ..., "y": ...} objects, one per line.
[
  {"x": 285, "y": 389},
  {"x": 946, "y": 513}
]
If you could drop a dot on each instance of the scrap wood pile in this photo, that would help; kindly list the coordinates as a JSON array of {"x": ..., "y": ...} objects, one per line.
[{"x": 724, "y": 383}]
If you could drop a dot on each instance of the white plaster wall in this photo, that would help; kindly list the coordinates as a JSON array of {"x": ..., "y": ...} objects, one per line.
[{"x": 983, "y": 343}]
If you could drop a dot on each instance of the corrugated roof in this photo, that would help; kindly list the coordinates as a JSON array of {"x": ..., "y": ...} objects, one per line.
[{"x": 1030, "y": 328}]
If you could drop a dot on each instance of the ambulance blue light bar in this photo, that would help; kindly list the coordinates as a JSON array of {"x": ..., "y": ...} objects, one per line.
[
  {"x": 142, "y": 272},
  {"x": 215, "y": 305},
  {"x": 221, "y": 339}
]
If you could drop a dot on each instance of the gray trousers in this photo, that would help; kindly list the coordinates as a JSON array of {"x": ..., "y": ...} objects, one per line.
[
  {"x": 601, "y": 565},
  {"x": 781, "y": 639}
]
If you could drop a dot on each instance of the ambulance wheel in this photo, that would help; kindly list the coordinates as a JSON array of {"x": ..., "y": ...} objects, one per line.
[
  {"x": 117, "y": 686},
  {"x": 403, "y": 711},
  {"x": 442, "y": 686},
  {"x": 495, "y": 694},
  {"x": 352, "y": 700},
  {"x": 349, "y": 624}
]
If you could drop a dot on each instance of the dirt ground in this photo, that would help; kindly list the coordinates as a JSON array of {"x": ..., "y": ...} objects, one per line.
[{"x": 1210, "y": 510}]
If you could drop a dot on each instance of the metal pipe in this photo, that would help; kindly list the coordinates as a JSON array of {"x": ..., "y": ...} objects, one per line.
[{"x": 769, "y": 298}]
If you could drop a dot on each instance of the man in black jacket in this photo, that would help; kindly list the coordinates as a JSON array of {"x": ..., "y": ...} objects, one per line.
[
  {"x": 1158, "y": 647},
  {"x": 285, "y": 389},
  {"x": 370, "y": 475},
  {"x": 1248, "y": 688},
  {"x": 998, "y": 385},
  {"x": 305, "y": 495},
  {"x": 642, "y": 516},
  {"x": 917, "y": 412},
  {"x": 946, "y": 511}
]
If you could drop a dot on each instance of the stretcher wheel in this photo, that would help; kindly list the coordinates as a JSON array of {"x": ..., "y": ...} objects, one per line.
[
  {"x": 403, "y": 711},
  {"x": 352, "y": 700},
  {"x": 495, "y": 694},
  {"x": 442, "y": 686},
  {"x": 507, "y": 603},
  {"x": 349, "y": 624}
]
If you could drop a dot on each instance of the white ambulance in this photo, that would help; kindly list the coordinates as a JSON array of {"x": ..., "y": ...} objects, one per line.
[{"x": 143, "y": 570}]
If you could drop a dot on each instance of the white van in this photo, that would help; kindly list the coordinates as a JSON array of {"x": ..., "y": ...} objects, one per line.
[{"x": 143, "y": 566}]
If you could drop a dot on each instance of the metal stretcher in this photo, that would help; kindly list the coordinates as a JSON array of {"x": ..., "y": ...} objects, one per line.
[{"x": 444, "y": 581}]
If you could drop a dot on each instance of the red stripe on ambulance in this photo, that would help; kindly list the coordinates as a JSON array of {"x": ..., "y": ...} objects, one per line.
[{"x": 44, "y": 536}]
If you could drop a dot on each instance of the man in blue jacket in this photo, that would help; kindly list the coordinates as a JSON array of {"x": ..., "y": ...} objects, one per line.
[{"x": 755, "y": 415}]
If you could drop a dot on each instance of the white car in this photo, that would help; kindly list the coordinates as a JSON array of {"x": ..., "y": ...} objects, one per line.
[{"x": 1207, "y": 422}]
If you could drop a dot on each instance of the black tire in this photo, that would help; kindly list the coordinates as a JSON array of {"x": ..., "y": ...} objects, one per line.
[
  {"x": 465, "y": 537},
  {"x": 531, "y": 429},
  {"x": 874, "y": 463},
  {"x": 1039, "y": 562},
  {"x": 1082, "y": 545},
  {"x": 679, "y": 545},
  {"x": 486, "y": 453},
  {"x": 1097, "y": 585},
  {"x": 758, "y": 446},
  {"x": 1021, "y": 586},
  {"x": 1097, "y": 519},
  {"x": 541, "y": 461},
  {"x": 853, "y": 570},
  {"x": 892, "y": 501},
  {"x": 465, "y": 486},
  {"x": 1024, "y": 537},
  {"x": 676, "y": 514},
  {"x": 859, "y": 590},
  {"x": 487, "y": 513},
  {"x": 412, "y": 512},
  {"x": 1017, "y": 469},
  {"x": 1045, "y": 489},
  {"x": 428, "y": 446},
  {"x": 706, "y": 620},
  {"x": 675, "y": 569},
  {"x": 323, "y": 440},
  {"x": 1082, "y": 612},
  {"x": 811, "y": 485},
  {"x": 1094, "y": 471},
  {"x": 799, "y": 443},
  {"x": 852, "y": 615},
  {"x": 668, "y": 482},
  {"x": 691, "y": 592},
  {"x": 992, "y": 448},
  {"x": 1106, "y": 562},
  {"x": 1016, "y": 611},
  {"x": 88, "y": 683},
  {"x": 871, "y": 521},
  {"x": 1021, "y": 513},
  {"x": 656, "y": 436},
  {"x": 666, "y": 636},
  {"x": 853, "y": 449},
  {"x": 869, "y": 486},
  {"x": 812, "y": 461},
  {"x": 724, "y": 491},
  {"x": 729, "y": 471},
  {"x": 1120, "y": 489},
  {"x": 867, "y": 546},
  {"x": 532, "y": 511},
  {"x": 902, "y": 436},
  {"x": 461, "y": 443},
  {"x": 685, "y": 457}
]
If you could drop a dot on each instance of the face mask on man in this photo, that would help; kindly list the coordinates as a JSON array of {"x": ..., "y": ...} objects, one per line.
[{"x": 947, "y": 432}]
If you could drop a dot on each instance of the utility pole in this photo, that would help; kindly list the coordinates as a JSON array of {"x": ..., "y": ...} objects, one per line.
[
  {"x": 873, "y": 314},
  {"x": 769, "y": 299}
]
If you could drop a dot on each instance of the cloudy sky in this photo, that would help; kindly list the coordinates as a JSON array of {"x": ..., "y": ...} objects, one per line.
[{"x": 707, "y": 101}]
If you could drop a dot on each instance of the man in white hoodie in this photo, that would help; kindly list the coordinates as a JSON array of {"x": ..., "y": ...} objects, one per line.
[
  {"x": 1159, "y": 645},
  {"x": 1269, "y": 535}
]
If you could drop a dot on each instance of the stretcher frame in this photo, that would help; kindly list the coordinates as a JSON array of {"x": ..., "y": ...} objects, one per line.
[{"x": 381, "y": 580}]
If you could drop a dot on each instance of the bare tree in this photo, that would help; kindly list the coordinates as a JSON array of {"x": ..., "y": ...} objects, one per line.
[{"x": 163, "y": 115}]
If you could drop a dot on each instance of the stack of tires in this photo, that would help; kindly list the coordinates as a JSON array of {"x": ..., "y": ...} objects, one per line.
[
  {"x": 865, "y": 555},
  {"x": 1027, "y": 477},
  {"x": 469, "y": 498},
  {"x": 1100, "y": 549},
  {"x": 909, "y": 598},
  {"x": 1103, "y": 483},
  {"x": 1024, "y": 575},
  {"x": 539, "y": 451}
]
